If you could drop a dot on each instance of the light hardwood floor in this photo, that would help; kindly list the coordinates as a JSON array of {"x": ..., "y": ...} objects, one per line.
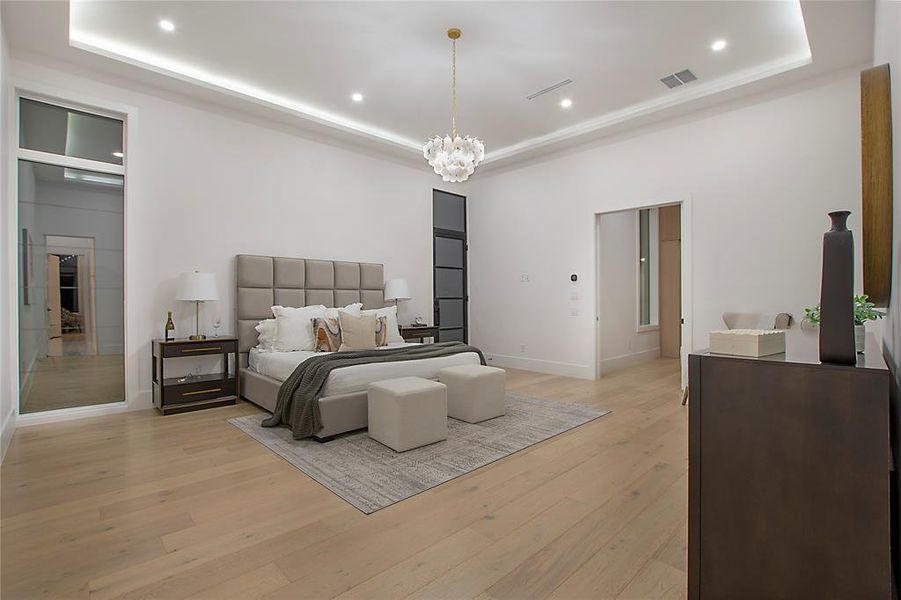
[
  {"x": 69, "y": 381},
  {"x": 186, "y": 506}
]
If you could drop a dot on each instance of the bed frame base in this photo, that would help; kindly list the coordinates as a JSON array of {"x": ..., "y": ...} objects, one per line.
[{"x": 340, "y": 413}]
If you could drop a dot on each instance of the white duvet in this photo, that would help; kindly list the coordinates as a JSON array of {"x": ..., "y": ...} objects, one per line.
[{"x": 279, "y": 365}]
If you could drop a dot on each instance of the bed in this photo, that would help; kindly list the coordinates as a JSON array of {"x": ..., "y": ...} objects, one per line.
[{"x": 264, "y": 281}]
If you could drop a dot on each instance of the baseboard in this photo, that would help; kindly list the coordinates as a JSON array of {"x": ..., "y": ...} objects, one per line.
[
  {"x": 6, "y": 435},
  {"x": 541, "y": 366},
  {"x": 69, "y": 414},
  {"x": 609, "y": 365},
  {"x": 141, "y": 400}
]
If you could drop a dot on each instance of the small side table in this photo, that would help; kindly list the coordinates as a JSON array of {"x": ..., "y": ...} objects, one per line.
[
  {"x": 177, "y": 395},
  {"x": 413, "y": 334}
]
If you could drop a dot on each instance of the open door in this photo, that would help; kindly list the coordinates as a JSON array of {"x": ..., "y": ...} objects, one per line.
[
  {"x": 670, "y": 289},
  {"x": 54, "y": 314}
]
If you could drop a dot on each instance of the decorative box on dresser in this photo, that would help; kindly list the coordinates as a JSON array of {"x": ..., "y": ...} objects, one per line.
[
  {"x": 789, "y": 464},
  {"x": 183, "y": 394}
]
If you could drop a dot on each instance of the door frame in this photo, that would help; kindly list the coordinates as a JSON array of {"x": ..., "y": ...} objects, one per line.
[
  {"x": 449, "y": 233},
  {"x": 86, "y": 277},
  {"x": 687, "y": 280},
  {"x": 62, "y": 96}
]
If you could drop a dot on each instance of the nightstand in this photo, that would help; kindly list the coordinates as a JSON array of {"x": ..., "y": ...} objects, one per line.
[
  {"x": 179, "y": 394},
  {"x": 412, "y": 334}
]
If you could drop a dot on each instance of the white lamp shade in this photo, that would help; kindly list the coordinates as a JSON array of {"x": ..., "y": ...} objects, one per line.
[
  {"x": 197, "y": 286},
  {"x": 397, "y": 289}
]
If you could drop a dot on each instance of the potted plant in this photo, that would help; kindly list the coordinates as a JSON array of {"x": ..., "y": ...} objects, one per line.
[{"x": 864, "y": 311}]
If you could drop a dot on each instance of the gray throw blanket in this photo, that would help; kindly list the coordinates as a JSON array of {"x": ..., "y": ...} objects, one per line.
[{"x": 297, "y": 406}]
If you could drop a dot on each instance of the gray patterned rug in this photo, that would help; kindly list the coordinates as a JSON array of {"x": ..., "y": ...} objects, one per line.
[{"x": 371, "y": 476}]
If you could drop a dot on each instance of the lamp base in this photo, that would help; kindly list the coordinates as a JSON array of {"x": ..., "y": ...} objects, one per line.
[{"x": 197, "y": 337}]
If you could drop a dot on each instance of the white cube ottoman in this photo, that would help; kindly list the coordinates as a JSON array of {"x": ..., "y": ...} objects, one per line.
[
  {"x": 408, "y": 412},
  {"x": 474, "y": 392}
]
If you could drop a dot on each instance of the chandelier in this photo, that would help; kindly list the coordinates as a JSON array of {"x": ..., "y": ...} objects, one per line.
[{"x": 453, "y": 157}]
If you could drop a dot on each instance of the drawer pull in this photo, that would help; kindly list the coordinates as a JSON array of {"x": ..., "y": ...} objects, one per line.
[
  {"x": 202, "y": 392},
  {"x": 201, "y": 349}
]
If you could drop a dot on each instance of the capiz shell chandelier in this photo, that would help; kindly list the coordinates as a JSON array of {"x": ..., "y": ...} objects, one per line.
[{"x": 453, "y": 157}]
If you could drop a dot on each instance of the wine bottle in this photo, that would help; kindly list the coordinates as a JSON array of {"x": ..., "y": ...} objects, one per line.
[{"x": 170, "y": 328}]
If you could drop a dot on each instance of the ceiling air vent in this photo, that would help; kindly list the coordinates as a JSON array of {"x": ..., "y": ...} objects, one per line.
[
  {"x": 680, "y": 78},
  {"x": 549, "y": 89}
]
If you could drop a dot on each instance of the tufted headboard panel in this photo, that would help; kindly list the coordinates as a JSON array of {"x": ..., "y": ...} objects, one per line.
[{"x": 266, "y": 281}]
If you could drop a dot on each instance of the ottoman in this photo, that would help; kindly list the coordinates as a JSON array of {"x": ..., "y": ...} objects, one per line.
[
  {"x": 407, "y": 413},
  {"x": 474, "y": 392}
]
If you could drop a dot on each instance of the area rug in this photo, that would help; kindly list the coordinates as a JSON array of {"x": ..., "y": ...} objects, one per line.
[{"x": 371, "y": 476}]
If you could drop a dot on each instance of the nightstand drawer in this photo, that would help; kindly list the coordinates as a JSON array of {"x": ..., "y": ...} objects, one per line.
[
  {"x": 199, "y": 349},
  {"x": 201, "y": 390}
]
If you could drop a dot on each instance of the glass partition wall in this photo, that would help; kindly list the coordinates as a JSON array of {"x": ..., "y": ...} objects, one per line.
[{"x": 71, "y": 197}]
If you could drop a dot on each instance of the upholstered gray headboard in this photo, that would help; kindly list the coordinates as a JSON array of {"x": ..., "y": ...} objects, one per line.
[{"x": 265, "y": 281}]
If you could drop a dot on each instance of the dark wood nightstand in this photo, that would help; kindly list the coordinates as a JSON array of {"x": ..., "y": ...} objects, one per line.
[
  {"x": 178, "y": 394},
  {"x": 412, "y": 334}
]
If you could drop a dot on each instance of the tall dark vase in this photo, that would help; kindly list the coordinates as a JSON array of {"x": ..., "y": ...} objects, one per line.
[{"x": 837, "y": 293}]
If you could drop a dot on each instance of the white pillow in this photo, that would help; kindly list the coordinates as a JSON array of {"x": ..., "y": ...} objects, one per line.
[
  {"x": 352, "y": 309},
  {"x": 288, "y": 310},
  {"x": 389, "y": 312},
  {"x": 267, "y": 331},
  {"x": 294, "y": 327}
]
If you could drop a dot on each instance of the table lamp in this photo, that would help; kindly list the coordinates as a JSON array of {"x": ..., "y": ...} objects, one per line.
[
  {"x": 397, "y": 289},
  {"x": 197, "y": 287}
]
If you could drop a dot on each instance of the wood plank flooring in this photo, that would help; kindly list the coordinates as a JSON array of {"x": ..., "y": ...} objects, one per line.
[
  {"x": 187, "y": 507},
  {"x": 72, "y": 380}
]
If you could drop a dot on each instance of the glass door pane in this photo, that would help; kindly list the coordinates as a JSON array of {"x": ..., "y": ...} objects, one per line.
[
  {"x": 71, "y": 294},
  {"x": 68, "y": 132},
  {"x": 448, "y": 211}
]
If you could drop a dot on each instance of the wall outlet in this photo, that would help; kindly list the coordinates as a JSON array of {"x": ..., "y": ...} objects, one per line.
[
  {"x": 574, "y": 313},
  {"x": 522, "y": 349},
  {"x": 524, "y": 278},
  {"x": 574, "y": 296}
]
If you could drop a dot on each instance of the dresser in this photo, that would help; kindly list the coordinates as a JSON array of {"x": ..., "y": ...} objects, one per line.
[{"x": 789, "y": 467}]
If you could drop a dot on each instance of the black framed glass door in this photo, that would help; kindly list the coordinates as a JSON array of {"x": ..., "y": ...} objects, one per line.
[{"x": 449, "y": 266}]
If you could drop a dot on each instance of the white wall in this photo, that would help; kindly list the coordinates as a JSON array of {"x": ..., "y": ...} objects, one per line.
[
  {"x": 8, "y": 377},
  {"x": 760, "y": 175},
  {"x": 621, "y": 344},
  {"x": 205, "y": 184}
]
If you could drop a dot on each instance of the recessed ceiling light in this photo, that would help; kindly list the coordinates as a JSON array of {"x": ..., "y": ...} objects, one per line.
[
  {"x": 566, "y": 103},
  {"x": 356, "y": 97},
  {"x": 118, "y": 154},
  {"x": 718, "y": 45},
  {"x": 167, "y": 25}
]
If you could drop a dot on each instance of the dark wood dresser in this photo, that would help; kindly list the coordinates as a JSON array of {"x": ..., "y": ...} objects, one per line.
[{"x": 789, "y": 465}]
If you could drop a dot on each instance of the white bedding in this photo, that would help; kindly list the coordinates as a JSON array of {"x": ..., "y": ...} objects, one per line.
[{"x": 280, "y": 365}]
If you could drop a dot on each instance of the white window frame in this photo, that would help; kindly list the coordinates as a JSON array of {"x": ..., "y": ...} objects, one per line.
[{"x": 654, "y": 251}]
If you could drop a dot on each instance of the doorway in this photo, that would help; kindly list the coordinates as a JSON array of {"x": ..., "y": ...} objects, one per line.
[
  {"x": 449, "y": 266},
  {"x": 71, "y": 199},
  {"x": 71, "y": 296},
  {"x": 643, "y": 294}
]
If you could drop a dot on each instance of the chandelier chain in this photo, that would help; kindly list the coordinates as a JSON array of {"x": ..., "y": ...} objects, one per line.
[{"x": 454, "y": 93}]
